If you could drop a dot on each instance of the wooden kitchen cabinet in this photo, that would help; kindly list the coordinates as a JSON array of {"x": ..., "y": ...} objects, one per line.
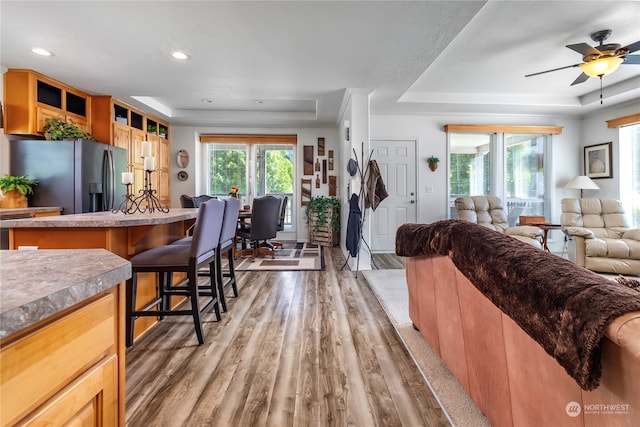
[
  {"x": 67, "y": 370},
  {"x": 119, "y": 124},
  {"x": 30, "y": 98}
]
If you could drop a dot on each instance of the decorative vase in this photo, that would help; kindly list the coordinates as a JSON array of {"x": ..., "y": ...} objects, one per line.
[
  {"x": 13, "y": 199},
  {"x": 433, "y": 166}
]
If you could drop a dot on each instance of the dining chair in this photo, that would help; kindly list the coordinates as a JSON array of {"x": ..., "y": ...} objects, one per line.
[
  {"x": 187, "y": 258},
  {"x": 284, "y": 200},
  {"x": 265, "y": 213}
]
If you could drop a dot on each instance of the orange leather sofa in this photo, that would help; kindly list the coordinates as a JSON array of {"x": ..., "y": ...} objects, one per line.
[{"x": 512, "y": 379}]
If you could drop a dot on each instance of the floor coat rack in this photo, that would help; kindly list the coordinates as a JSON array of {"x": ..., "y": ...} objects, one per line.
[{"x": 361, "y": 202}]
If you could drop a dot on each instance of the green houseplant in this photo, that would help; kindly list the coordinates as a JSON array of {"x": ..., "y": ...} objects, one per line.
[
  {"x": 15, "y": 190},
  {"x": 56, "y": 129},
  {"x": 322, "y": 214},
  {"x": 433, "y": 162}
]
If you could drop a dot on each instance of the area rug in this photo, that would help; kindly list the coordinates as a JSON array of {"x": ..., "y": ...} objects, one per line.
[
  {"x": 389, "y": 286},
  {"x": 294, "y": 256}
]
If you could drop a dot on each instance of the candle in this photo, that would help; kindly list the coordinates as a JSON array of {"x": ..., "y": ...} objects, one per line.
[
  {"x": 127, "y": 178},
  {"x": 146, "y": 148},
  {"x": 149, "y": 163}
]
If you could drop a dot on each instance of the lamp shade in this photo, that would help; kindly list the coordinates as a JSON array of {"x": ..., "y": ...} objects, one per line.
[
  {"x": 602, "y": 66},
  {"x": 582, "y": 182}
]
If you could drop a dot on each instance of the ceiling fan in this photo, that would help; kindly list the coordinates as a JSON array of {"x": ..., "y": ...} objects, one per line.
[{"x": 602, "y": 60}]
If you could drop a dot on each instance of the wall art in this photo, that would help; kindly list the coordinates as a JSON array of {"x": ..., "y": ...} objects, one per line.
[
  {"x": 308, "y": 160},
  {"x": 598, "y": 161}
]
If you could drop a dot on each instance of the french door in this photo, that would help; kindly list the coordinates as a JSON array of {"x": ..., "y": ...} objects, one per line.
[{"x": 255, "y": 169}]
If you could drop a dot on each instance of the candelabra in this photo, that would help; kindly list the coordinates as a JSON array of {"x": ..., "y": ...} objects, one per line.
[{"x": 145, "y": 202}]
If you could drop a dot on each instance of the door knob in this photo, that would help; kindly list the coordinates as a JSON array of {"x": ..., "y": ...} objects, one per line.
[{"x": 413, "y": 201}]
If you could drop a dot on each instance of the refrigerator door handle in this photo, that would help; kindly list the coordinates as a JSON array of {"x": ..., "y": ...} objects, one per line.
[{"x": 112, "y": 181}]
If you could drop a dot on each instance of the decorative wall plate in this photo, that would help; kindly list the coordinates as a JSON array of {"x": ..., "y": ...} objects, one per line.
[{"x": 183, "y": 175}]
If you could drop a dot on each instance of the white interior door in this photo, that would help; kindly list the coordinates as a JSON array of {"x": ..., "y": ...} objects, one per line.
[{"x": 397, "y": 162}]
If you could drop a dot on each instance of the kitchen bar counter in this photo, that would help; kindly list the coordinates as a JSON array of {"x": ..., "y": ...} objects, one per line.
[
  {"x": 39, "y": 284},
  {"x": 30, "y": 212},
  {"x": 124, "y": 235},
  {"x": 103, "y": 219},
  {"x": 62, "y": 338}
]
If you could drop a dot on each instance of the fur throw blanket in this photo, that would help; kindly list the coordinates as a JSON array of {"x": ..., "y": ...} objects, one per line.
[{"x": 564, "y": 307}]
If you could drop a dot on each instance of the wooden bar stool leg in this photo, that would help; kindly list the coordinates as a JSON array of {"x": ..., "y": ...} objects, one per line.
[
  {"x": 219, "y": 282},
  {"x": 195, "y": 306},
  {"x": 232, "y": 274}
]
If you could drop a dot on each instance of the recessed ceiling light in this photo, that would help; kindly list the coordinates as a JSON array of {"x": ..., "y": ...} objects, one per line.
[
  {"x": 41, "y": 51},
  {"x": 180, "y": 55},
  {"x": 207, "y": 101},
  {"x": 259, "y": 101}
]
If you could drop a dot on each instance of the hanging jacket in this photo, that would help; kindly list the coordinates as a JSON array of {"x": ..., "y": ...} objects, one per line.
[
  {"x": 376, "y": 190},
  {"x": 354, "y": 225}
]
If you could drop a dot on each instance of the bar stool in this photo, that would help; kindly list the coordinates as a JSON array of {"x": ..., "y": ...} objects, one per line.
[
  {"x": 164, "y": 260},
  {"x": 227, "y": 244}
]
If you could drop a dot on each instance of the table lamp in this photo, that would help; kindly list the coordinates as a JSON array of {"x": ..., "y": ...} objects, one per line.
[{"x": 581, "y": 182}]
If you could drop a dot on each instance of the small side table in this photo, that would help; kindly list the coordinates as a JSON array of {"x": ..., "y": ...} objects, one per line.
[{"x": 545, "y": 232}]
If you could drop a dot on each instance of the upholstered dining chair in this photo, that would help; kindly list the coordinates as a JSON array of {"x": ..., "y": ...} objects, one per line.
[
  {"x": 284, "y": 200},
  {"x": 265, "y": 214},
  {"x": 187, "y": 258}
]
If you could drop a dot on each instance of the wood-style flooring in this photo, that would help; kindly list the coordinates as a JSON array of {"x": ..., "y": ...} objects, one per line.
[{"x": 308, "y": 348}]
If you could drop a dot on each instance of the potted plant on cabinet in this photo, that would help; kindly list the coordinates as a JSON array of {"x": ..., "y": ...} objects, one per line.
[
  {"x": 323, "y": 217},
  {"x": 15, "y": 190},
  {"x": 56, "y": 129},
  {"x": 433, "y": 163}
]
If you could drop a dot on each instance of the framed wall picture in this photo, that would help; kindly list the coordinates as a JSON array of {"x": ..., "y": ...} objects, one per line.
[
  {"x": 598, "y": 161},
  {"x": 305, "y": 191},
  {"x": 308, "y": 160}
]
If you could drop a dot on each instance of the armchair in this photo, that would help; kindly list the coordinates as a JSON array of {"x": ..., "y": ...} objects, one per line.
[
  {"x": 599, "y": 237},
  {"x": 488, "y": 211}
]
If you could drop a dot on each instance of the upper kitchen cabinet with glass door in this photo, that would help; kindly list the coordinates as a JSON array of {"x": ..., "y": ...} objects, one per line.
[{"x": 30, "y": 98}]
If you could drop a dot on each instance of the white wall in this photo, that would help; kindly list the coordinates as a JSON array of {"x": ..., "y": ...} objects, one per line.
[
  {"x": 187, "y": 138},
  {"x": 595, "y": 131}
]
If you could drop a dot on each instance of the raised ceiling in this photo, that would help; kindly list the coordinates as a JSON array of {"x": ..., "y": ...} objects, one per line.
[{"x": 289, "y": 63}]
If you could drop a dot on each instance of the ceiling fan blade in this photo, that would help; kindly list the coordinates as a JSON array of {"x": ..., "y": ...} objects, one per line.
[
  {"x": 632, "y": 59},
  {"x": 632, "y": 47},
  {"x": 581, "y": 79},
  {"x": 584, "y": 49},
  {"x": 549, "y": 71}
]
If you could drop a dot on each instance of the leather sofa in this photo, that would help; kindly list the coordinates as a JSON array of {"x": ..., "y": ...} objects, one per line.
[
  {"x": 453, "y": 277},
  {"x": 488, "y": 211},
  {"x": 599, "y": 236}
]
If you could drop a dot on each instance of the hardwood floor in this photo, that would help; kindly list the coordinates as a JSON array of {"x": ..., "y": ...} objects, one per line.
[{"x": 308, "y": 348}]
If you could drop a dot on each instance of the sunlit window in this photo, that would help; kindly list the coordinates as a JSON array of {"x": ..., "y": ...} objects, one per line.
[{"x": 630, "y": 172}]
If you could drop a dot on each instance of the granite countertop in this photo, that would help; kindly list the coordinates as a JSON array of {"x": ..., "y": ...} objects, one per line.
[
  {"x": 102, "y": 219},
  {"x": 37, "y": 284},
  {"x": 10, "y": 212}
]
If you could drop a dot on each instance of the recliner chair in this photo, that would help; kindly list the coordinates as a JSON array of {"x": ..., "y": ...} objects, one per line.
[
  {"x": 488, "y": 211},
  {"x": 599, "y": 235}
]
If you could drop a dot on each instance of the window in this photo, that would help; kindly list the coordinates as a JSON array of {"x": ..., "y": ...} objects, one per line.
[
  {"x": 470, "y": 167},
  {"x": 509, "y": 165},
  {"x": 524, "y": 175},
  {"x": 256, "y": 169},
  {"x": 630, "y": 172}
]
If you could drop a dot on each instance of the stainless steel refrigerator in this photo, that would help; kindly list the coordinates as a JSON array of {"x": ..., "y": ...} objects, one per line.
[{"x": 79, "y": 176}]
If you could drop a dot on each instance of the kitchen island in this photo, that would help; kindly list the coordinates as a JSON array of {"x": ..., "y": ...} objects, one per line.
[
  {"x": 62, "y": 337},
  {"x": 123, "y": 235}
]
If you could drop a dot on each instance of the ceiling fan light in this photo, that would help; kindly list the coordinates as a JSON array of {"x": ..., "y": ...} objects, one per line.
[{"x": 602, "y": 66}]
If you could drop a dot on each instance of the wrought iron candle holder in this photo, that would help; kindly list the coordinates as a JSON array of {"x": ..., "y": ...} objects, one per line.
[{"x": 145, "y": 202}]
